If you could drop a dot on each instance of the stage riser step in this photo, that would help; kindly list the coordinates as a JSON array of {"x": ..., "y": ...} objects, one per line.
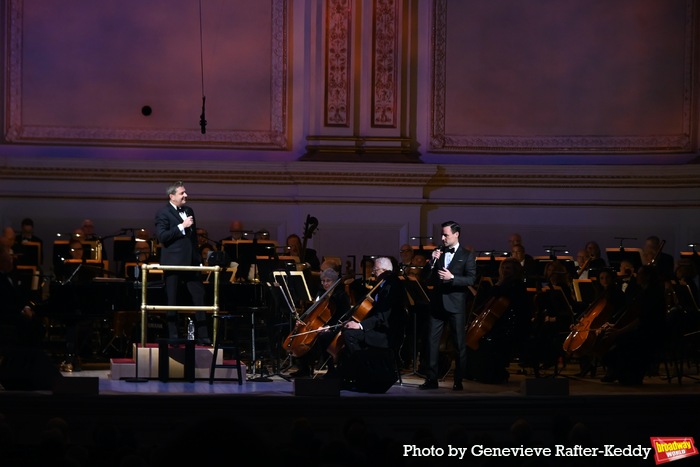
[{"x": 121, "y": 368}]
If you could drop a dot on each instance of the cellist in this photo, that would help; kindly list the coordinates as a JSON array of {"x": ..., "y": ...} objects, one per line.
[
  {"x": 608, "y": 290},
  {"x": 505, "y": 338},
  {"x": 632, "y": 339},
  {"x": 383, "y": 326},
  {"x": 339, "y": 304}
]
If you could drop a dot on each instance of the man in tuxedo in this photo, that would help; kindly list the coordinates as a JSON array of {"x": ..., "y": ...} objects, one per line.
[
  {"x": 176, "y": 231},
  {"x": 450, "y": 271}
]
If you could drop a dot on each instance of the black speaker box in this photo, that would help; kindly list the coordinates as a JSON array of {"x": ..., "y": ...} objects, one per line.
[
  {"x": 372, "y": 371},
  {"x": 85, "y": 385},
  {"x": 545, "y": 387},
  {"x": 317, "y": 387},
  {"x": 27, "y": 369}
]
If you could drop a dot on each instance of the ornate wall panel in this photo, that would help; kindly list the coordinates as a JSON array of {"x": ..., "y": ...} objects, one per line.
[
  {"x": 338, "y": 62},
  {"x": 366, "y": 81},
  {"x": 134, "y": 73},
  {"x": 385, "y": 63},
  {"x": 564, "y": 77}
]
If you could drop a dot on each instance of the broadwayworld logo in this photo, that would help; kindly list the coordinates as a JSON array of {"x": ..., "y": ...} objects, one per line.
[{"x": 673, "y": 449}]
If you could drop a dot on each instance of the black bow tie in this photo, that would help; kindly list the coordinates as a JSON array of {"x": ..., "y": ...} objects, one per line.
[
  {"x": 450, "y": 250},
  {"x": 180, "y": 209}
]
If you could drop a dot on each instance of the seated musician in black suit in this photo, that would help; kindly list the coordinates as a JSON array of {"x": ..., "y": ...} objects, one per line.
[
  {"x": 496, "y": 348},
  {"x": 72, "y": 299},
  {"x": 552, "y": 320},
  {"x": 382, "y": 328},
  {"x": 631, "y": 339},
  {"x": 530, "y": 268},
  {"x": 19, "y": 326},
  {"x": 26, "y": 235}
]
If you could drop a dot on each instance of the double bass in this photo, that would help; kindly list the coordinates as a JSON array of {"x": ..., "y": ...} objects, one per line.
[
  {"x": 357, "y": 313},
  {"x": 309, "y": 324},
  {"x": 310, "y": 226}
]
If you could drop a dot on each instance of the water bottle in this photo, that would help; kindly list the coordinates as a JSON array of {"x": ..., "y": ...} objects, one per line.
[{"x": 190, "y": 329}]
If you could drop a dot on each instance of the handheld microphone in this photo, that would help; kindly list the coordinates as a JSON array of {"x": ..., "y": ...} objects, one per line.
[{"x": 434, "y": 259}]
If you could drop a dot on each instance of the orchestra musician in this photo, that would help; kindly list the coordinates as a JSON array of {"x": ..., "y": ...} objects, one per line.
[
  {"x": 652, "y": 253},
  {"x": 590, "y": 261},
  {"x": 339, "y": 302},
  {"x": 526, "y": 261},
  {"x": 451, "y": 270},
  {"x": 309, "y": 258},
  {"x": 498, "y": 345},
  {"x": 382, "y": 328},
  {"x": 552, "y": 319},
  {"x": 607, "y": 289},
  {"x": 72, "y": 295},
  {"x": 405, "y": 258},
  {"x": 19, "y": 325},
  {"x": 176, "y": 232},
  {"x": 632, "y": 337},
  {"x": 25, "y": 235}
]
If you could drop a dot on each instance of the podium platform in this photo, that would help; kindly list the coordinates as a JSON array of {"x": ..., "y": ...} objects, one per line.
[{"x": 122, "y": 368}]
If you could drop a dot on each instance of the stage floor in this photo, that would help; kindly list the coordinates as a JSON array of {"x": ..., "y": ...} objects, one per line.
[
  {"x": 281, "y": 385},
  {"x": 266, "y": 417}
]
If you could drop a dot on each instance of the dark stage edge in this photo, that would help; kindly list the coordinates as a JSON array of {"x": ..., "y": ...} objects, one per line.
[{"x": 267, "y": 415}]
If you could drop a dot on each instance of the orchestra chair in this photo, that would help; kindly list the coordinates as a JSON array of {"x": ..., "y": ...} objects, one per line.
[
  {"x": 223, "y": 344},
  {"x": 27, "y": 277}
]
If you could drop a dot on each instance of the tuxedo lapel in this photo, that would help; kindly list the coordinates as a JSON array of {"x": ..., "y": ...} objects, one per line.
[{"x": 457, "y": 260}]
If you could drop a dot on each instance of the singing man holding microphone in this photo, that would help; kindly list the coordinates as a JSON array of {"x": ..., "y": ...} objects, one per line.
[{"x": 452, "y": 268}]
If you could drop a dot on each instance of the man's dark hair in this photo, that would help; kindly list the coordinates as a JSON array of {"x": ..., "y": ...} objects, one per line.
[{"x": 454, "y": 227}]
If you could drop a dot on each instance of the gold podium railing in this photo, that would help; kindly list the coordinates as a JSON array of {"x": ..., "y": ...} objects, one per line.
[{"x": 159, "y": 267}]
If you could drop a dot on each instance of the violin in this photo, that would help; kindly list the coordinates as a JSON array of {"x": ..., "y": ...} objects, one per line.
[
  {"x": 357, "y": 313},
  {"x": 309, "y": 324}
]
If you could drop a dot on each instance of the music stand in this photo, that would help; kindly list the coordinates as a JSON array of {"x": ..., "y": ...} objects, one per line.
[
  {"x": 231, "y": 249},
  {"x": 488, "y": 266},
  {"x": 90, "y": 249},
  {"x": 61, "y": 252},
  {"x": 584, "y": 290},
  {"x": 416, "y": 297},
  {"x": 296, "y": 284},
  {"x": 268, "y": 266},
  {"x": 617, "y": 255},
  {"x": 248, "y": 251},
  {"x": 557, "y": 300},
  {"x": 124, "y": 249},
  {"x": 567, "y": 261},
  {"x": 30, "y": 254},
  {"x": 280, "y": 298}
]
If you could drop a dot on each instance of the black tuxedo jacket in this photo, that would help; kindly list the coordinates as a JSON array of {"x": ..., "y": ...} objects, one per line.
[
  {"x": 451, "y": 296},
  {"x": 176, "y": 249}
]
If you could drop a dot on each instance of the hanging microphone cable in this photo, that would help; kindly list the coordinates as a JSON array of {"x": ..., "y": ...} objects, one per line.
[{"x": 202, "y": 118}]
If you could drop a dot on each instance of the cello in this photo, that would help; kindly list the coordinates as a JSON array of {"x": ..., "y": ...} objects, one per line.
[
  {"x": 357, "y": 313},
  {"x": 583, "y": 335},
  {"x": 309, "y": 324},
  {"x": 482, "y": 324}
]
